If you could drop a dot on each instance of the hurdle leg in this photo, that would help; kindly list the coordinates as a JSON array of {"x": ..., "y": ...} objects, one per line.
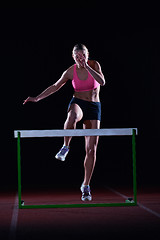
[
  {"x": 19, "y": 169},
  {"x": 134, "y": 165}
]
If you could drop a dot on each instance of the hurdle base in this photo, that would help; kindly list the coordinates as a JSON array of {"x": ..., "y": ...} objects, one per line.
[{"x": 126, "y": 204}]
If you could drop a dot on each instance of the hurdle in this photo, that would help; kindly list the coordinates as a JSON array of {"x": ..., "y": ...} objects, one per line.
[{"x": 78, "y": 133}]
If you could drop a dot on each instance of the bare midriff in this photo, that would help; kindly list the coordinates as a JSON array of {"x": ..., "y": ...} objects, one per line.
[{"x": 91, "y": 96}]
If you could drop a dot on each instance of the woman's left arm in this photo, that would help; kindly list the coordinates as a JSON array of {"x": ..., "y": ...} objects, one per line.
[{"x": 97, "y": 73}]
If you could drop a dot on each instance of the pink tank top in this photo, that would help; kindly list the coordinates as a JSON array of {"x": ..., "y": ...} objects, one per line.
[{"x": 83, "y": 85}]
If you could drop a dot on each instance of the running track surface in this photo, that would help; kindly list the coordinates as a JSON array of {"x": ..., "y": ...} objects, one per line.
[{"x": 80, "y": 223}]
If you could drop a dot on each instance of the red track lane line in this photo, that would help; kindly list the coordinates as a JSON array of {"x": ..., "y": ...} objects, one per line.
[
  {"x": 13, "y": 226},
  {"x": 139, "y": 204}
]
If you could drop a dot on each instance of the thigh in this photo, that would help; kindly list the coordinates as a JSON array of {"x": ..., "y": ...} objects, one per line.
[
  {"x": 91, "y": 124},
  {"x": 75, "y": 112},
  {"x": 91, "y": 142}
]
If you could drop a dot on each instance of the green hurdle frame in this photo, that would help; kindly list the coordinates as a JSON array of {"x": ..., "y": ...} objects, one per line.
[{"x": 132, "y": 202}]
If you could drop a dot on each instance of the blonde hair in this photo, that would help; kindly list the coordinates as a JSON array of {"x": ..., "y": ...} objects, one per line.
[{"x": 79, "y": 46}]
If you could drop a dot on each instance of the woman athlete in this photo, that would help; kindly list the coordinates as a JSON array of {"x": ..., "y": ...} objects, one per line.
[{"x": 86, "y": 77}]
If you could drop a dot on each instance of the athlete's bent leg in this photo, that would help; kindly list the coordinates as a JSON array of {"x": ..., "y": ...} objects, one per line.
[{"x": 75, "y": 114}]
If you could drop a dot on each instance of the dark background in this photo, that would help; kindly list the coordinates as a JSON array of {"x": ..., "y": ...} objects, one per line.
[{"x": 36, "y": 47}]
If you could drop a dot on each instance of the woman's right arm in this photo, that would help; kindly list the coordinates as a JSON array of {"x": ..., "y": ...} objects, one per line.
[{"x": 50, "y": 90}]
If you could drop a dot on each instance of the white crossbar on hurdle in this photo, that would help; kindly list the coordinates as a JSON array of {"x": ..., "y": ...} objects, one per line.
[
  {"x": 78, "y": 133},
  {"x": 74, "y": 132}
]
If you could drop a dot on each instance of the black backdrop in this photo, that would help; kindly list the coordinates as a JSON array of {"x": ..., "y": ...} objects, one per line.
[{"x": 36, "y": 46}]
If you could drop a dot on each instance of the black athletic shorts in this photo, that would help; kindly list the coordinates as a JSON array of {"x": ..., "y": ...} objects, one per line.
[{"x": 91, "y": 110}]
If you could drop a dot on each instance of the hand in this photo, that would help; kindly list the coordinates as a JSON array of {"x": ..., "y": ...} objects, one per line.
[
  {"x": 30, "y": 99},
  {"x": 82, "y": 60}
]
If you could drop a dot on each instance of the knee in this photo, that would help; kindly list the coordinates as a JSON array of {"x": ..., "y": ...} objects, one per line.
[
  {"x": 91, "y": 152},
  {"x": 71, "y": 121},
  {"x": 90, "y": 158}
]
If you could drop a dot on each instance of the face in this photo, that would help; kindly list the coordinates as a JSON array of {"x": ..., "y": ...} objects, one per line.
[{"x": 80, "y": 54}]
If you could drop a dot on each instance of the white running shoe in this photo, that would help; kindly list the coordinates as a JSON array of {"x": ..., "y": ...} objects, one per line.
[
  {"x": 61, "y": 155},
  {"x": 86, "y": 193}
]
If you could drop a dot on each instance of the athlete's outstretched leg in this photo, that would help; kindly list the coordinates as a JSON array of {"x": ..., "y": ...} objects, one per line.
[{"x": 90, "y": 158}]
